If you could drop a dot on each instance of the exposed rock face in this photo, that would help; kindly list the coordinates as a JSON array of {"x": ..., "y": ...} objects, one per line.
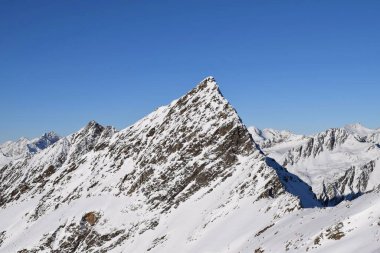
[
  {"x": 91, "y": 218},
  {"x": 354, "y": 182},
  {"x": 374, "y": 138},
  {"x": 327, "y": 140},
  {"x": 92, "y": 136}
]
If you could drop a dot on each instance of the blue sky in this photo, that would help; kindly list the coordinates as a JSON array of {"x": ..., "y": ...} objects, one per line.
[{"x": 299, "y": 65}]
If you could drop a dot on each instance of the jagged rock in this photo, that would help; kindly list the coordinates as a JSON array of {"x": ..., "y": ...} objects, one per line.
[{"x": 327, "y": 140}]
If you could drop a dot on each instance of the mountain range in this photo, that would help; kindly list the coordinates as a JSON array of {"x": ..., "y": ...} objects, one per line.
[{"x": 191, "y": 177}]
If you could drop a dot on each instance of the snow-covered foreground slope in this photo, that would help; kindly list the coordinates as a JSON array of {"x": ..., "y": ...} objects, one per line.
[
  {"x": 189, "y": 177},
  {"x": 351, "y": 226}
]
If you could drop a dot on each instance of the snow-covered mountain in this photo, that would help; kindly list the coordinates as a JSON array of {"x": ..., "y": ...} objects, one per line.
[
  {"x": 189, "y": 177},
  {"x": 275, "y": 141},
  {"x": 269, "y": 137},
  {"x": 22, "y": 148},
  {"x": 360, "y": 130},
  {"x": 338, "y": 163}
]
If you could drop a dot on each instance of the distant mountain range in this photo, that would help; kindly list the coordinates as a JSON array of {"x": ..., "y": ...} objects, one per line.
[
  {"x": 191, "y": 177},
  {"x": 339, "y": 163}
]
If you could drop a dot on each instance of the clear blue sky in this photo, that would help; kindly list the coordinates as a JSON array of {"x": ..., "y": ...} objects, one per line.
[{"x": 299, "y": 65}]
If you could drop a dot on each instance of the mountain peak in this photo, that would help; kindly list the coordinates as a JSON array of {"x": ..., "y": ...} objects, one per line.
[
  {"x": 50, "y": 135},
  {"x": 358, "y": 129},
  {"x": 92, "y": 128},
  {"x": 209, "y": 79},
  {"x": 43, "y": 142},
  {"x": 195, "y": 141},
  {"x": 207, "y": 85},
  {"x": 356, "y": 125},
  {"x": 22, "y": 139},
  {"x": 92, "y": 123}
]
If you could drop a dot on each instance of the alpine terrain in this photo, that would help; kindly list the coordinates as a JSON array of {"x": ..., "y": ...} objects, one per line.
[{"x": 191, "y": 177}]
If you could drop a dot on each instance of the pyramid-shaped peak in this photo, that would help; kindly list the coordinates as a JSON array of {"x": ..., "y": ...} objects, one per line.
[
  {"x": 207, "y": 90},
  {"x": 208, "y": 84},
  {"x": 209, "y": 80},
  {"x": 197, "y": 138}
]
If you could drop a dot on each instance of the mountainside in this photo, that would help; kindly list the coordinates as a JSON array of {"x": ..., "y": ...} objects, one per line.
[{"x": 189, "y": 177}]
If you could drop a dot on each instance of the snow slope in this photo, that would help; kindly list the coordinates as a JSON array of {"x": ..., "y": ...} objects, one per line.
[{"x": 348, "y": 227}]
